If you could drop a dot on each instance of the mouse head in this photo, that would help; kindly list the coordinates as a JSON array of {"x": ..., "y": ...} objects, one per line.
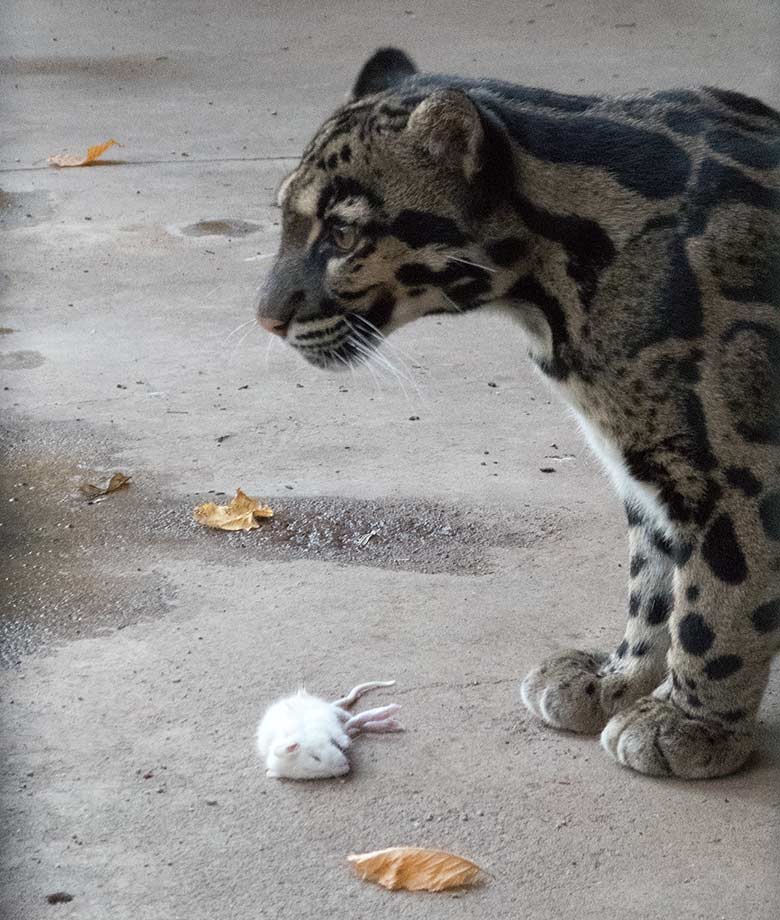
[{"x": 317, "y": 758}]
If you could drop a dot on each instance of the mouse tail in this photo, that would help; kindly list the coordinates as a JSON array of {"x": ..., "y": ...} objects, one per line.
[{"x": 356, "y": 692}]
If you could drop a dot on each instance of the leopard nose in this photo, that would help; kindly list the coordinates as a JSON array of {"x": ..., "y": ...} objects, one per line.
[{"x": 277, "y": 326}]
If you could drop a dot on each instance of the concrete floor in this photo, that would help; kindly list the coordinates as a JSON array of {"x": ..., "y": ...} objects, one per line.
[{"x": 139, "y": 650}]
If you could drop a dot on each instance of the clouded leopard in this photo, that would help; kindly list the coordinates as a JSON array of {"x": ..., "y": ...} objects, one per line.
[{"x": 636, "y": 243}]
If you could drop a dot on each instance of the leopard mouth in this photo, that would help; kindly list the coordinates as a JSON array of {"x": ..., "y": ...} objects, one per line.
[{"x": 345, "y": 341}]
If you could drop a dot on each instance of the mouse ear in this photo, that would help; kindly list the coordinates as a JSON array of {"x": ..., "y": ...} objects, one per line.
[{"x": 285, "y": 748}]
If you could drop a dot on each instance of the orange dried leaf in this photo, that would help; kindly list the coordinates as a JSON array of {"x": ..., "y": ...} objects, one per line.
[
  {"x": 115, "y": 483},
  {"x": 414, "y": 869},
  {"x": 243, "y": 513},
  {"x": 93, "y": 153}
]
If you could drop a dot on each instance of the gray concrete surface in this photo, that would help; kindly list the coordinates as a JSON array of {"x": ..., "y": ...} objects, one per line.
[{"x": 139, "y": 651}]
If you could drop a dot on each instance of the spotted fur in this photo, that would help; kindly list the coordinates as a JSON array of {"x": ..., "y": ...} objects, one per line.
[{"x": 635, "y": 241}]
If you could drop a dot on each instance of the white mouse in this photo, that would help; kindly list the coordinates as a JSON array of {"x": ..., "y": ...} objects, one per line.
[{"x": 305, "y": 737}]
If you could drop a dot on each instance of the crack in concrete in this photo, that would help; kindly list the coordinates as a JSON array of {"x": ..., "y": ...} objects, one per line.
[
  {"x": 188, "y": 161},
  {"x": 456, "y": 685}
]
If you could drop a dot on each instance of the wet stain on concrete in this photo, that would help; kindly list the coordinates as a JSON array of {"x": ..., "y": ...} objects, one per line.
[
  {"x": 23, "y": 209},
  {"x": 71, "y": 569},
  {"x": 413, "y": 536},
  {"x": 21, "y": 360},
  {"x": 68, "y": 569},
  {"x": 222, "y": 227}
]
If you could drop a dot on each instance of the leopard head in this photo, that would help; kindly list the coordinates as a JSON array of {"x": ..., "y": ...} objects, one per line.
[{"x": 383, "y": 220}]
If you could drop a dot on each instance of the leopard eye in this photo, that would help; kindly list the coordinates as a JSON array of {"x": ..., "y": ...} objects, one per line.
[{"x": 344, "y": 236}]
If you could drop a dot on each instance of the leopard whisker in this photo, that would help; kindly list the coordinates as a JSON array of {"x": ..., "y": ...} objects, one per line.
[
  {"x": 406, "y": 371},
  {"x": 364, "y": 362},
  {"x": 383, "y": 362},
  {"x": 246, "y": 335},
  {"x": 408, "y": 375},
  {"x": 272, "y": 342},
  {"x": 238, "y": 329},
  {"x": 385, "y": 342},
  {"x": 486, "y": 268},
  {"x": 382, "y": 359},
  {"x": 381, "y": 340},
  {"x": 334, "y": 354},
  {"x": 446, "y": 296},
  {"x": 368, "y": 356}
]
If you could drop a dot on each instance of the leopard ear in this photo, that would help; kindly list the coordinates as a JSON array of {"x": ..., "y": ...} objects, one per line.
[
  {"x": 449, "y": 126},
  {"x": 383, "y": 69}
]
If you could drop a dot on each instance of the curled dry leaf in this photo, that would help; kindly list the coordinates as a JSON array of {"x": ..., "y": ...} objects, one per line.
[
  {"x": 414, "y": 869},
  {"x": 93, "y": 153},
  {"x": 115, "y": 483},
  {"x": 243, "y": 513}
]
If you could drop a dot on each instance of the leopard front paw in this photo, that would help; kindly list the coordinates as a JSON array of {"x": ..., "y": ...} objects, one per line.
[
  {"x": 657, "y": 738},
  {"x": 579, "y": 691}
]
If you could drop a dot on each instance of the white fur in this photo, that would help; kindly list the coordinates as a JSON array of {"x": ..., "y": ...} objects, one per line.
[
  {"x": 305, "y": 201},
  {"x": 284, "y": 188},
  {"x": 539, "y": 341},
  {"x": 628, "y": 488},
  {"x": 296, "y": 737},
  {"x": 352, "y": 211},
  {"x": 305, "y": 737}
]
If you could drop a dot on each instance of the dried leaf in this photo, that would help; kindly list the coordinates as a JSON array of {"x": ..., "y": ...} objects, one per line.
[
  {"x": 414, "y": 869},
  {"x": 243, "y": 513},
  {"x": 115, "y": 483},
  {"x": 69, "y": 159}
]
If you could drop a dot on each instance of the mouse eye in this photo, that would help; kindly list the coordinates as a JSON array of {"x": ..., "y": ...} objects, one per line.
[{"x": 315, "y": 757}]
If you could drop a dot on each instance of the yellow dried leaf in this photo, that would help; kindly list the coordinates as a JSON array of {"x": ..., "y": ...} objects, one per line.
[
  {"x": 414, "y": 869},
  {"x": 115, "y": 483},
  {"x": 243, "y": 513},
  {"x": 93, "y": 153}
]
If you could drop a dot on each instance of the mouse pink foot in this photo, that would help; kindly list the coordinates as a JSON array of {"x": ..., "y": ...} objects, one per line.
[{"x": 360, "y": 722}]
